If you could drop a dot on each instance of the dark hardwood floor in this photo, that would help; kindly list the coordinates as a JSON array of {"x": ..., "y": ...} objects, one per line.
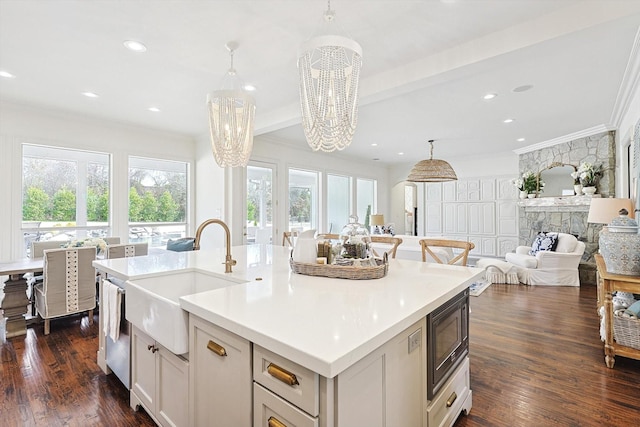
[{"x": 536, "y": 360}]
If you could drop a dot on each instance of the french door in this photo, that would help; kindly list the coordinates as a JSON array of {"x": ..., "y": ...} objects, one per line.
[{"x": 260, "y": 208}]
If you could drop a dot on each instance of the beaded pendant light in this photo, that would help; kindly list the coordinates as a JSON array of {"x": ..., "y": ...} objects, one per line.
[
  {"x": 432, "y": 170},
  {"x": 329, "y": 68},
  {"x": 231, "y": 116}
]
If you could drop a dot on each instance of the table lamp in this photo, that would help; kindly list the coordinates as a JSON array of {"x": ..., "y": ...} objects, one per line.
[{"x": 377, "y": 220}]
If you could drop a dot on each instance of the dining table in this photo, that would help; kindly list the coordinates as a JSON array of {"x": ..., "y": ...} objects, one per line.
[{"x": 15, "y": 301}]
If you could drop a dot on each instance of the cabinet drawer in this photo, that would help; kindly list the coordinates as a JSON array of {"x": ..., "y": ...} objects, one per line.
[
  {"x": 444, "y": 409},
  {"x": 269, "y": 410},
  {"x": 287, "y": 379}
]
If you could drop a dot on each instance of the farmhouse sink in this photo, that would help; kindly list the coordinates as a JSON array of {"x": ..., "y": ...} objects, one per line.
[{"x": 152, "y": 305}]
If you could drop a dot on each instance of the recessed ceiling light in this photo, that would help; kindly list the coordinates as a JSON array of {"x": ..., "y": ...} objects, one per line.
[
  {"x": 490, "y": 96},
  {"x": 401, "y": 154},
  {"x": 6, "y": 75},
  {"x": 90, "y": 94},
  {"x": 520, "y": 139},
  {"x": 154, "y": 109},
  {"x": 522, "y": 88},
  {"x": 374, "y": 145},
  {"x": 249, "y": 87},
  {"x": 375, "y": 158},
  {"x": 507, "y": 121},
  {"x": 134, "y": 46}
]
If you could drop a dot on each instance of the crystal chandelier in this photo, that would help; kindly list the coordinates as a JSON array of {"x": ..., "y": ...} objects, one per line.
[
  {"x": 432, "y": 170},
  {"x": 231, "y": 116},
  {"x": 329, "y": 67}
]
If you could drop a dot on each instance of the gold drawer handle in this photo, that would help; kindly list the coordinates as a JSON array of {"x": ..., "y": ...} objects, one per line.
[
  {"x": 282, "y": 374},
  {"x": 274, "y": 422},
  {"x": 452, "y": 399},
  {"x": 216, "y": 348}
]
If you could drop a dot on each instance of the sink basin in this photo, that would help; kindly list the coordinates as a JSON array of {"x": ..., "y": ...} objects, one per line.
[{"x": 152, "y": 305}]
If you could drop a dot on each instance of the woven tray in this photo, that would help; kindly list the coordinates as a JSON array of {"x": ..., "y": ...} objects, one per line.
[
  {"x": 626, "y": 331},
  {"x": 341, "y": 271}
]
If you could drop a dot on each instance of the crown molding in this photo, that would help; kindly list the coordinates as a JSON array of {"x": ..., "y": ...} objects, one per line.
[
  {"x": 629, "y": 83},
  {"x": 565, "y": 138}
]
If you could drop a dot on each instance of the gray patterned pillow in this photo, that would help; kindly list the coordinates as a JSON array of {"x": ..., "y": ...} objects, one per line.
[{"x": 544, "y": 242}]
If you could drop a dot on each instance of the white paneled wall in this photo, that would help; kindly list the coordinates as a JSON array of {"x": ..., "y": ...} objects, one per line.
[{"x": 482, "y": 211}]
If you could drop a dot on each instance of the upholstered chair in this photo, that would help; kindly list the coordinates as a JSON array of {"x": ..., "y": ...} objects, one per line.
[
  {"x": 113, "y": 240},
  {"x": 126, "y": 250},
  {"x": 69, "y": 284},
  {"x": 558, "y": 267}
]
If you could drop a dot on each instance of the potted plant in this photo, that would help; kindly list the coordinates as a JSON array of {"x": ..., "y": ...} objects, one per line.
[
  {"x": 529, "y": 184},
  {"x": 589, "y": 175}
]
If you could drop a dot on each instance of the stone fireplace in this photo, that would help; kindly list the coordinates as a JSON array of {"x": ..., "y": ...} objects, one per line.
[{"x": 568, "y": 214}]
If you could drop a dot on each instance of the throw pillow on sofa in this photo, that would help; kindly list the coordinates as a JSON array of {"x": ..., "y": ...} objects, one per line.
[{"x": 544, "y": 242}]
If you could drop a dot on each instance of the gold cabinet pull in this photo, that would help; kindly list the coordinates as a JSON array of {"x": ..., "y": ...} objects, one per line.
[
  {"x": 274, "y": 422},
  {"x": 452, "y": 399},
  {"x": 282, "y": 374},
  {"x": 216, "y": 348}
]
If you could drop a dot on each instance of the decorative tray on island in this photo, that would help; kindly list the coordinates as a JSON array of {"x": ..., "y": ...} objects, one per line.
[{"x": 342, "y": 271}]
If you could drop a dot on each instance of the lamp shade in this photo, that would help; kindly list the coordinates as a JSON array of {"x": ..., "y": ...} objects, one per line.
[
  {"x": 602, "y": 211},
  {"x": 377, "y": 219}
]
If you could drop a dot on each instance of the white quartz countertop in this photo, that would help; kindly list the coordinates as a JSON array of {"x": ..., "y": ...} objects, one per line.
[{"x": 323, "y": 324}]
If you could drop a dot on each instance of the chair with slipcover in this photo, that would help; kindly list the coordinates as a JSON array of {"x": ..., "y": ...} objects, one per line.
[
  {"x": 69, "y": 284},
  {"x": 126, "y": 250},
  {"x": 555, "y": 265}
]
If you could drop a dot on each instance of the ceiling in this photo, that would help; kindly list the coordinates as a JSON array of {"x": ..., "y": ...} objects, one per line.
[{"x": 426, "y": 66}]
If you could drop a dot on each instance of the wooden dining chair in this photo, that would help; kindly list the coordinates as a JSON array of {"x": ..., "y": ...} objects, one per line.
[
  {"x": 329, "y": 236},
  {"x": 388, "y": 240},
  {"x": 287, "y": 238},
  {"x": 69, "y": 284},
  {"x": 430, "y": 247}
]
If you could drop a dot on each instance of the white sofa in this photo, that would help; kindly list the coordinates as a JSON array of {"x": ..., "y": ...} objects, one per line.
[{"x": 553, "y": 268}]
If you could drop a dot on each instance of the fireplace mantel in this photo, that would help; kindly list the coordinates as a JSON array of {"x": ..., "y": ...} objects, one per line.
[{"x": 558, "y": 204}]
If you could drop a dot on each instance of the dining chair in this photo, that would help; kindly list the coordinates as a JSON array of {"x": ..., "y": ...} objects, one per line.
[
  {"x": 329, "y": 236},
  {"x": 388, "y": 240},
  {"x": 288, "y": 238},
  {"x": 433, "y": 248},
  {"x": 126, "y": 250},
  {"x": 113, "y": 240},
  {"x": 69, "y": 284}
]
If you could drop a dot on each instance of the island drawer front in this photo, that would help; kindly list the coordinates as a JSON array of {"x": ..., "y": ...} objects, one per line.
[
  {"x": 439, "y": 411},
  {"x": 287, "y": 379},
  {"x": 270, "y": 410}
]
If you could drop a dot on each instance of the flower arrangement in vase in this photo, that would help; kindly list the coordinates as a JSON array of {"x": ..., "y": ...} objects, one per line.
[
  {"x": 99, "y": 244},
  {"x": 529, "y": 183},
  {"x": 588, "y": 176}
]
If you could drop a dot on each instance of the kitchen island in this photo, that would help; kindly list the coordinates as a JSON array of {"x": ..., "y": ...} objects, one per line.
[{"x": 355, "y": 345}]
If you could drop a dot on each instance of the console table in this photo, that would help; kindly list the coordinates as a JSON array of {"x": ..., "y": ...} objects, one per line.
[
  {"x": 607, "y": 284},
  {"x": 14, "y": 304}
]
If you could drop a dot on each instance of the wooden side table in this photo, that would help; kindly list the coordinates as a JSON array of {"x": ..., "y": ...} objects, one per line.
[{"x": 607, "y": 284}]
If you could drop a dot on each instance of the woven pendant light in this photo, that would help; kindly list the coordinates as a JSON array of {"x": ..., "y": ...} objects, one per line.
[{"x": 432, "y": 170}]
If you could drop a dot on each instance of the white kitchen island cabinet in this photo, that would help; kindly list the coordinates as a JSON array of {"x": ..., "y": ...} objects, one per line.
[
  {"x": 159, "y": 381},
  {"x": 309, "y": 351}
]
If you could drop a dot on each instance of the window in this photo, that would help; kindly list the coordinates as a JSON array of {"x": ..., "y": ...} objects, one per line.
[
  {"x": 366, "y": 198},
  {"x": 303, "y": 199},
  {"x": 65, "y": 194},
  {"x": 157, "y": 200},
  {"x": 338, "y": 202}
]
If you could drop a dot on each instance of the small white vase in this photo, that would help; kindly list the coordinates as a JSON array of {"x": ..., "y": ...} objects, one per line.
[
  {"x": 523, "y": 194},
  {"x": 577, "y": 188},
  {"x": 531, "y": 196},
  {"x": 589, "y": 191}
]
